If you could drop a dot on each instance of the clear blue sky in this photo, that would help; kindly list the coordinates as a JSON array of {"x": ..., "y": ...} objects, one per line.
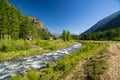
[{"x": 73, "y": 15}]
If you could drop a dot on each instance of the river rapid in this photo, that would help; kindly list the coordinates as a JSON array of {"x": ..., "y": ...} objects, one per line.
[{"x": 22, "y": 65}]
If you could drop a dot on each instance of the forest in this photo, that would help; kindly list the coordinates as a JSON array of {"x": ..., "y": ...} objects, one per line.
[
  {"x": 111, "y": 34},
  {"x": 15, "y": 25}
]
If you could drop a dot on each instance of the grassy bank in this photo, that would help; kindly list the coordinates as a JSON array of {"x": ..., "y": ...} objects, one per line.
[
  {"x": 21, "y": 48},
  {"x": 63, "y": 67},
  {"x": 94, "y": 67}
]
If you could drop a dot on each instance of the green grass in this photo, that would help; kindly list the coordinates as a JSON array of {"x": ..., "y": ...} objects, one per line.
[
  {"x": 97, "y": 65},
  {"x": 64, "y": 67},
  {"x": 21, "y": 48}
]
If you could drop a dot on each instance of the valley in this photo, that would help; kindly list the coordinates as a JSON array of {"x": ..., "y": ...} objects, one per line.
[{"x": 52, "y": 40}]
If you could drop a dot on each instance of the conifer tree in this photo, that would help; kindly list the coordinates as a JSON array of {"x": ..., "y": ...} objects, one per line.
[
  {"x": 64, "y": 35},
  {"x": 25, "y": 27},
  {"x": 14, "y": 23},
  {"x": 68, "y": 36},
  {"x": 3, "y": 17}
]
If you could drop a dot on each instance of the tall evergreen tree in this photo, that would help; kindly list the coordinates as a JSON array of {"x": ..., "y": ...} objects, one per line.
[
  {"x": 3, "y": 17},
  {"x": 68, "y": 36},
  {"x": 14, "y": 23},
  {"x": 25, "y": 27},
  {"x": 64, "y": 35}
]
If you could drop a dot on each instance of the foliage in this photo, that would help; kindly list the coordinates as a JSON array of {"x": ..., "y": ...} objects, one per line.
[
  {"x": 7, "y": 46},
  {"x": 66, "y": 36},
  {"x": 25, "y": 27},
  {"x": 33, "y": 75},
  {"x": 75, "y": 37},
  {"x": 112, "y": 34},
  {"x": 44, "y": 35},
  {"x": 18, "y": 78}
]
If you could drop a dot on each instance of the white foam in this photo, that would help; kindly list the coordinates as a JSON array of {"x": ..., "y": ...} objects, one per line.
[{"x": 2, "y": 69}]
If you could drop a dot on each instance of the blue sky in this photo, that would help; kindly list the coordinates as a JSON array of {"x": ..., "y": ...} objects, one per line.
[{"x": 73, "y": 15}]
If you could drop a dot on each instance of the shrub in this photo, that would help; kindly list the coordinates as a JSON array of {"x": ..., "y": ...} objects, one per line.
[
  {"x": 33, "y": 75},
  {"x": 96, "y": 66},
  {"x": 19, "y": 78}
]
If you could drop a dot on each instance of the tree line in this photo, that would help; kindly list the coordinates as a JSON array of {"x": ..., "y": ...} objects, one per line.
[{"x": 111, "y": 34}]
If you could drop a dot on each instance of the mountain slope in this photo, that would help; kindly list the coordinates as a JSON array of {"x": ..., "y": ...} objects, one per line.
[
  {"x": 15, "y": 25},
  {"x": 42, "y": 31},
  {"x": 102, "y": 22},
  {"x": 38, "y": 23},
  {"x": 107, "y": 31},
  {"x": 114, "y": 23}
]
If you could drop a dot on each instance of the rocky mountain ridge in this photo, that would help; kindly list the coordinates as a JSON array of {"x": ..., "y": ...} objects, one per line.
[{"x": 38, "y": 23}]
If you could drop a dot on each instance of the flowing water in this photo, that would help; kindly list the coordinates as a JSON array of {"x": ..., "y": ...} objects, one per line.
[{"x": 22, "y": 65}]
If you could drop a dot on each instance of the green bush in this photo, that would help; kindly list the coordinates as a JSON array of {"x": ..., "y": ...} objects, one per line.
[
  {"x": 7, "y": 46},
  {"x": 33, "y": 75},
  {"x": 18, "y": 78}
]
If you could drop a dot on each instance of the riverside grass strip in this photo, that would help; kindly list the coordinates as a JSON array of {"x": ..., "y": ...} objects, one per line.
[{"x": 21, "y": 48}]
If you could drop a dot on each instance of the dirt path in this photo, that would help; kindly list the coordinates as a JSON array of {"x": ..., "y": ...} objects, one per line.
[
  {"x": 114, "y": 62},
  {"x": 78, "y": 69}
]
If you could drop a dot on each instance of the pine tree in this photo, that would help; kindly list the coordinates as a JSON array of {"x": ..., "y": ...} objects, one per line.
[
  {"x": 64, "y": 35},
  {"x": 3, "y": 18},
  {"x": 14, "y": 23},
  {"x": 68, "y": 36},
  {"x": 25, "y": 28}
]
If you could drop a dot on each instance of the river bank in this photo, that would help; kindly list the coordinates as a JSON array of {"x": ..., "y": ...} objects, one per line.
[
  {"x": 22, "y": 65},
  {"x": 20, "y": 48}
]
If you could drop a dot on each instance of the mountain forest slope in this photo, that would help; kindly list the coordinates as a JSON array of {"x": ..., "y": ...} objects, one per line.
[
  {"x": 114, "y": 23},
  {"x": 107, "y": 31},
  {"x": 15, "y": 25}
]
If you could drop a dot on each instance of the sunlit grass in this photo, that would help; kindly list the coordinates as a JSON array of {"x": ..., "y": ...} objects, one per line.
[{"x": 20, "y": 48}]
